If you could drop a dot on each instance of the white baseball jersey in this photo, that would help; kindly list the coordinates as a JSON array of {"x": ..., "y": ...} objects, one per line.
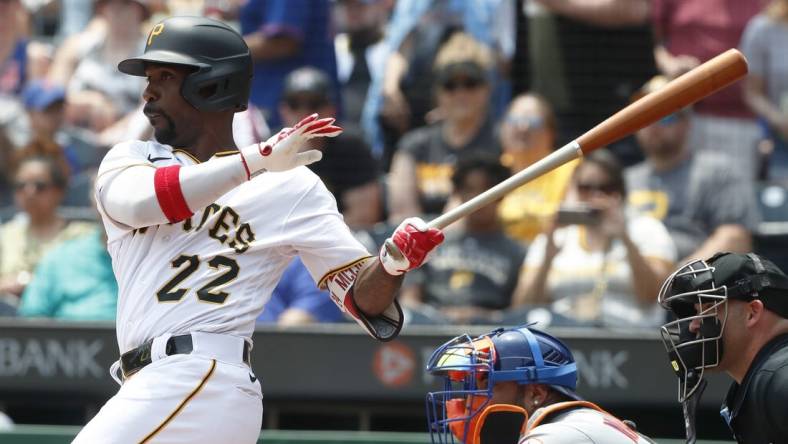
[
  {"x": 578, "y": 426},
  {"x": 215, "y": 271}
]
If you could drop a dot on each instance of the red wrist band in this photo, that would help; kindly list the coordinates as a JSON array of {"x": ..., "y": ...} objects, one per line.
[{"x": 167, "y": 184}]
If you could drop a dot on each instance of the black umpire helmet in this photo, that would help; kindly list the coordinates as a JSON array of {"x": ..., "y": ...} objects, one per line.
[{"x": 221, "y": 61}]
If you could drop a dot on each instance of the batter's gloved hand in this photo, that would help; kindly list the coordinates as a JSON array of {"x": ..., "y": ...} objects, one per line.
[
  {"x": 282, "y": 151},
  {"x": 409, "y": 246}
]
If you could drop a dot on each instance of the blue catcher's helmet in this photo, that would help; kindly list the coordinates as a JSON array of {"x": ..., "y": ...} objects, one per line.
[{"x": 470, "y": 367}]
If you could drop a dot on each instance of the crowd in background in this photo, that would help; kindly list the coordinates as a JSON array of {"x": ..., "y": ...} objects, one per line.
[{"x": 440, "y": 100}]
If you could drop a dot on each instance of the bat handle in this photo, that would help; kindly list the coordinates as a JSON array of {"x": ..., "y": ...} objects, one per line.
[{"x": 550, "y": 162}]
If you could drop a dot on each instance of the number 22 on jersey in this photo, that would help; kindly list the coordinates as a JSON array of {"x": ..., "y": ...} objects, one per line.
[{"x": 227, "y": 270}]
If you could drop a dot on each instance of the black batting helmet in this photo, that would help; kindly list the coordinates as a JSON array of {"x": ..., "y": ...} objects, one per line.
[{"x": 221, "y": 61}]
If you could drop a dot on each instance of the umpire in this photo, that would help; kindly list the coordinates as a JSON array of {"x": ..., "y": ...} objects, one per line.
[{"x": 732, "y": 315}]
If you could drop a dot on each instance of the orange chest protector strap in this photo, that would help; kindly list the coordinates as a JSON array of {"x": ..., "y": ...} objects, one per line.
[{"x": 498, "y": 424}]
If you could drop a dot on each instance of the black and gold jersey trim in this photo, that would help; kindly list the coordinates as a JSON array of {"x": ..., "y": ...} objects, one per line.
[
  {"x": 188, "y": 154},
  {"x": 226, "y": 153},
  {"x": 322, "y": 283},
  {"x": 182, "y": 404}
]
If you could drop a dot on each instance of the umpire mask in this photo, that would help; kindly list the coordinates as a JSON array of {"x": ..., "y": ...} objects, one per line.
[
  {"x": 694, "y": 339},
  {"x": 698, "y": 293}
]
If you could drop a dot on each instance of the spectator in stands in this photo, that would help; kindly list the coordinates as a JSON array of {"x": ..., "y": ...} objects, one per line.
[
  {"x": 515, "y": 385},
  {"x": 39, "y": 185},
  {"x": 528, "y": 133},
  {"x": 705, "y": 200},
  {"x": 13, "y": 48},
  {"x": 570, "y": 52},
  {"x": 284, "y": 35},
  {"x": 766, "y": 87},
  {"x": 470, "y": 279},
  {"x": 361, "y": 52},
  {"x": 689, "y": 32},
  {"x": 604, "y": 270},
  {"x": 44, "y": 102},
  {"x": 296, "y": 300},
  {"x": 347, "y": 167},
  {"x": 73, "y": 282},
  {"x": 6, "y": 167},
  {"x": 98, "y": 95},
  {"x": 397, "y": 102},
  {"x": 420, "y": 177}
]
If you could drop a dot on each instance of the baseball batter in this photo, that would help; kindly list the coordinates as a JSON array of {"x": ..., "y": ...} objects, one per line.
[{"x": 200, "y": 232}]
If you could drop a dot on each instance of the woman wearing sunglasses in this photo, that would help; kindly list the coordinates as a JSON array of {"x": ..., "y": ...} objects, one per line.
[
  {"x": 598, "y": 264},
  {"x": 421, "y": 170},
  {"x": 39, "y": 185}
]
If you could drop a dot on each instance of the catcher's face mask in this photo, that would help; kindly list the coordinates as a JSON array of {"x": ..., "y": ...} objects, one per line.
[
  {"x": 464, "y": 364},
  {"x": 694, "y": 340},
  {"x": 471, "y": 368}
]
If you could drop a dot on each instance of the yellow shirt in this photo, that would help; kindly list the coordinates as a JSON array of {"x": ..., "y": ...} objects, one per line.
[{"x": 526, "y": 211}]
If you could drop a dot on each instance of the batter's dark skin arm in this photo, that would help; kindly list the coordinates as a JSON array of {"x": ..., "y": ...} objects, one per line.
[{"x": 375, "y": 289}]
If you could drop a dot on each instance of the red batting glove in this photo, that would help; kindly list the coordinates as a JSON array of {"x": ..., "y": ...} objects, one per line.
[{"x": 409, "y": 246}]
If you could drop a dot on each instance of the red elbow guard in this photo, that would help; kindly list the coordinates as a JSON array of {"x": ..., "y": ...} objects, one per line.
[{"x": 168, "y": 191}]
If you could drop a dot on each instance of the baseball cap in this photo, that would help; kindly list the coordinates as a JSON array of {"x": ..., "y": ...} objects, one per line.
[
  {"x": 40, "y": 95},
  {"x": 747, "y": 274},
  {"x": 307, "y": 81}
]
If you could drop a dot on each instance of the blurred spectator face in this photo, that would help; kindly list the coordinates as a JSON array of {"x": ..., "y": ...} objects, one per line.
[
  {"x": 46, "y": 123},
  {"x": 665, "y": 138},
  {"x": 593, "y": 185},
  {"x": 526, "y": 128},
  {"x": 463, "y": 92},
  {"x": 360, "y": 16},
  {"x": 306, "y": 91},
  {"x": 175, "y": 122},
  {"x": 475, "y": 183},
  {"x": 36, "y": 191},
  {"x": 123, "y": 16},
  {"x": 296, "y": 106},
  {"x": 45, "y": 107}
]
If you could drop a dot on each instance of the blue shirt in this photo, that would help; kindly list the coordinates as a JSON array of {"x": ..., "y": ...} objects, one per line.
[
  {"x": 13, "y": 70},
  {"x": 74, "y": 282},
  {"x": 297, "y": 289},
  {"x": 305, "y": 20}
]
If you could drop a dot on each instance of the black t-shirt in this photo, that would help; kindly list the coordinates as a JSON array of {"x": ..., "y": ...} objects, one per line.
[
  {"x": 347, "y": 163},
  {"x": 759, "y": 406},
  {"x": 435, "y": 160},
  {"x": 478, "y": 270}
]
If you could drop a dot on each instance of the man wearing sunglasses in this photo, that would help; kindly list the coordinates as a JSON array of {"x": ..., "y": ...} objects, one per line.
[{"x": 705, "y": 202}]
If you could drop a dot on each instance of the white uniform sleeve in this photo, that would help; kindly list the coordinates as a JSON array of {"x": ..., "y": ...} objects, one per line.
[
  {"x": 125, "y": 191},
  {"x": 320, "y": 236},
  {"x": 334, "y": 257}
]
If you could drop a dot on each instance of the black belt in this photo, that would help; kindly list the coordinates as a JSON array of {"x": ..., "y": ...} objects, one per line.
[{"x": 134, "y": 360}]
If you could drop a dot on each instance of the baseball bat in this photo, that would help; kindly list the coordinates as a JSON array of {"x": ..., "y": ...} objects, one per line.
[{"x": 696, "y": 84}]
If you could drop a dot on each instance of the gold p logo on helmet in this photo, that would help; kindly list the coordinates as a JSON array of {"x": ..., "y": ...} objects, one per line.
[{"x": 158, "y": 29}]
